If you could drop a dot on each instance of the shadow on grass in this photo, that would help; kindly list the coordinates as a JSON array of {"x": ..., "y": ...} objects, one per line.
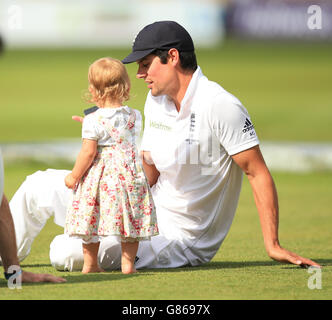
[
  {"x": 235, "y": 264},
  {"x": 97, "y": 277},
  {"x": 79, "y": 278},
  {"x": 215, "y": 265},
  {"x": 75, "y": 277},
  {"x": 249, "y": 264},
  {"x": 218, "y": 265},
  {"x": 38, "y": 265},
  {"x": 322, "y": 262}
]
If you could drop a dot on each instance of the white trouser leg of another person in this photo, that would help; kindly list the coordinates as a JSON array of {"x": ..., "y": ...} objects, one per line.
[
  {"x": 42, "y": 195},
  {"x": 66, "y": 253}
]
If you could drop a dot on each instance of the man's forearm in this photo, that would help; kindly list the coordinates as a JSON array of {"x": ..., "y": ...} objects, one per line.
[
  {"x": 8, "y": 248},
  {"x": 150, "y": 170},
  {"x": 252, "y": 163},
  {"x": 266, "y": 199}
]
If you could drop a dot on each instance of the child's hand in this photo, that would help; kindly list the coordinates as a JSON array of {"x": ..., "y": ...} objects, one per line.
[
  {"x": 77, "y": 118},
  {"x": 70, "y": 182}
]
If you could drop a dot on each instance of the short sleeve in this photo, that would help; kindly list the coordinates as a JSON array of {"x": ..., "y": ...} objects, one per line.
[
  {"x": 138, "y": 128},
  {"x": 145, "y": 145},
  {"x": 232, "y": 125},
  {"x": 89, "y": 128}
]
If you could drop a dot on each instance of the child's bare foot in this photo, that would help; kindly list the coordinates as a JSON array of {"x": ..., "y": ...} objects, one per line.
[
  {"x": 90, "y": 255},
  {"x": 128, "y": 268},
  {"x": 129, "y": 250},
  {"x": 92, "y": 269}
]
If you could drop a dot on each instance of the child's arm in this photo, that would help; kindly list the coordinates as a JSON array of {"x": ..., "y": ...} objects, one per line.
[{"x": 83, "y": 162}]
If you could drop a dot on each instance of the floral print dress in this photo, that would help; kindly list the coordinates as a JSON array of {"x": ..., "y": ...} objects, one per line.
[{"x": 113, "y": 197}]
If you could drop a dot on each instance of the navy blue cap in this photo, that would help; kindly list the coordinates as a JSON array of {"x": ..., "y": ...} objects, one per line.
[{"x": 162, "y": 35}]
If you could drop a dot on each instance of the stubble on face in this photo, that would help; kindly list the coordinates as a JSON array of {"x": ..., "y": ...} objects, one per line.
[{"x": 156, "y": 74}]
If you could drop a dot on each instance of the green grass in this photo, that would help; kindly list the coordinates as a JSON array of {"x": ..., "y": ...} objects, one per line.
[
  {"x": 240, "y": 270},
  {"x": 286, "y": 88}
]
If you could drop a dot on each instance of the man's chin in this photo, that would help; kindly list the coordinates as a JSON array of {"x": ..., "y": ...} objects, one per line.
[{"x": 156, "y": 93}]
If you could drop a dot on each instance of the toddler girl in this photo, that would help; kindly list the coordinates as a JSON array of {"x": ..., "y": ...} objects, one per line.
[{"x": 111, "y": 195}]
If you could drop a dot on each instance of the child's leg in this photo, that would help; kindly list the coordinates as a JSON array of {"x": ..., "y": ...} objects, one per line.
[
  {"x": 129, "y": 250},
  {"x": 90, "y": 254}
]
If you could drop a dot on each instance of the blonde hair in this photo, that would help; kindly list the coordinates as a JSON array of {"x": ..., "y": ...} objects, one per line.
[{"x": 109, "y": 79}]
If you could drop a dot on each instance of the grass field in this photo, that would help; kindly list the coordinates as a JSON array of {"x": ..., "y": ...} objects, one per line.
[
  {"x": 240, "y": 270},
  {"x": 287, "y": 90}
]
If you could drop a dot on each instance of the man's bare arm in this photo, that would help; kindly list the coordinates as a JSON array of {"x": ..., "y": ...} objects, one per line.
[
  {"x": 265, "y": 194},
  {"x": 150, "y": 169}
]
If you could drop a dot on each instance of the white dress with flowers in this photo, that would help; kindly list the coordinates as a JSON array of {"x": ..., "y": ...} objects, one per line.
[{"x": 113, "y": 197}]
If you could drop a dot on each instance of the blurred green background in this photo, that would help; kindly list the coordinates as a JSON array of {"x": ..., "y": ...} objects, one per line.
[{"x": 286, "y": 88}]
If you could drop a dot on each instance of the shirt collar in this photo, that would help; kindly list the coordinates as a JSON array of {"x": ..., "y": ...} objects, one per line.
[
  {"x": 191, "y": 90},
  {"x": 168, "y": 105},
  {"x": 111, "y": 111}
]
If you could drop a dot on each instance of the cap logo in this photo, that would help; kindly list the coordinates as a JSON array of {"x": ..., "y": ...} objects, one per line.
[{"x": 134, "y": 39}]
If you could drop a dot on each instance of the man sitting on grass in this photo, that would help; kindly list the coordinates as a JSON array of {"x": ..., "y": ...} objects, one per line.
[{"x": 198, "y": 140}]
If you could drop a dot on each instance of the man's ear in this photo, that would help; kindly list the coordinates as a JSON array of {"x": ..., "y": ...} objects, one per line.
[{"x": 174, "y": 56}]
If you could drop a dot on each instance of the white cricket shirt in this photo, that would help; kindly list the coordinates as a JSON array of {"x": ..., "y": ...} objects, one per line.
[{"x": 197, "y": 192}]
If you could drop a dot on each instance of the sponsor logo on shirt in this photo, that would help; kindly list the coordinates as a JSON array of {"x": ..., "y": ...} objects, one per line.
[
  {"x": 190, "y": 140},
  {"x": 247, "y": 126},
  {"x": 159, "y": 125}
]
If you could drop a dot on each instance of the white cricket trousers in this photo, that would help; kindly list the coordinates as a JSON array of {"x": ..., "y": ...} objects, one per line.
[{"x": 43, "y": 195}]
